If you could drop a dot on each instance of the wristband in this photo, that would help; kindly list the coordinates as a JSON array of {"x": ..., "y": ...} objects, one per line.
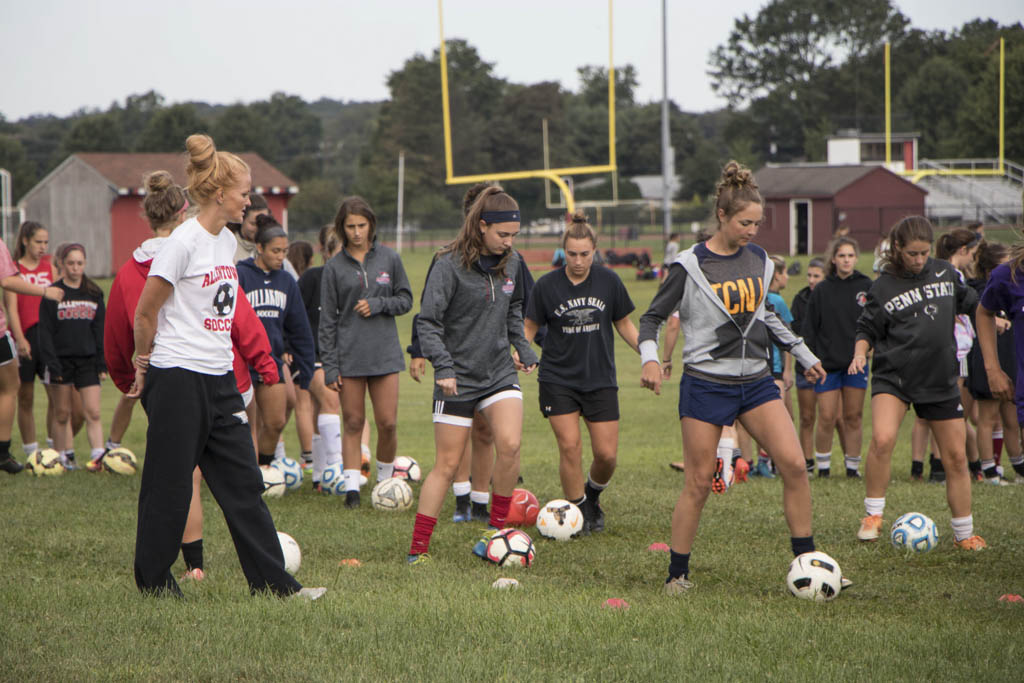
[{"x": 667, "y": 361}]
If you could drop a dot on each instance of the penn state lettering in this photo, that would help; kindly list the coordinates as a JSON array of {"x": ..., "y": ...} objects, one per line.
[{"x": 919, "y": 294}]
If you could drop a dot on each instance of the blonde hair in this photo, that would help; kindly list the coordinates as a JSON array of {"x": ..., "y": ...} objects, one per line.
[
  {"x": 736, "y": 188},
  {"x": 579, "y": 229},
  {"x": 209, "y": 170}
]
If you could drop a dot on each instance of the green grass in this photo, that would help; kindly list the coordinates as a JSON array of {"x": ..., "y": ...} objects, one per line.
[{"x": 69, "y": 609}]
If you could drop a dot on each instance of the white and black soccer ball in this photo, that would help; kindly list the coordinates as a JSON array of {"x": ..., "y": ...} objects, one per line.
[
  {"x": 914, "y": 532},
  {"x": 391, "y": 494},
  {"x": 332, "y": 480},
  {"x": 511, "y": 548},
  {"x": 290, "y": 550},
  {"x": 292, "y": 472},
  {"x": 407, "y": 468},
  {"x": 224, "y": 300},
  {"x": 120, "y": 461},
  {"x": 273, "y": 482},
  {"x": 45, "y": 463},
  {"x": 814, "y": 576},
  {"x": 560, "y": 520}
]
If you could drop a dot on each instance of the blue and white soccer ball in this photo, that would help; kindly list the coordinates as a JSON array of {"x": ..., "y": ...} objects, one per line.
[
  {"x": 333, "y": 479},
  {"x": 292, "y": 472},
  {"x": 914, "y": 532}
]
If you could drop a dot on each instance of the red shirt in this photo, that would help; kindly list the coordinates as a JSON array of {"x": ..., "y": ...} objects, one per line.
[{"x": 28, "y": 305}]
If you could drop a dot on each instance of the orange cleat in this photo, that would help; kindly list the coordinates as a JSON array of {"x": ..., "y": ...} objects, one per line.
[
  {"x": 870, "y": 528},
  {"x": 972, "y": 543},
  {"x": 739, "y": 470}
]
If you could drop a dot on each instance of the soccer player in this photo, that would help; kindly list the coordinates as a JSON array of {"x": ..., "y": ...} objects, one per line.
[
  {"x": 908, "y": 321},
  {"x": 829, "y": 326},
  {"x": 184, "y": 375},
  {"x": 470, "y": 314},
  {"x": 719, "y": 288},
  {"x": 581, "y": 304},
  {"x": 364, "y": 289}
]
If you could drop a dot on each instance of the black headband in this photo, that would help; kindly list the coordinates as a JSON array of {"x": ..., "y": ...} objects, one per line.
[{"x": 500, "y": 216}]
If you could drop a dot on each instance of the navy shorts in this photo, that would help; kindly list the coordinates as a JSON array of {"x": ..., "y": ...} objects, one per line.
[
  {"x": 842, "y": 380},
  {"x": 721, "y": 404},
  {"x": 801, "y": 381}
]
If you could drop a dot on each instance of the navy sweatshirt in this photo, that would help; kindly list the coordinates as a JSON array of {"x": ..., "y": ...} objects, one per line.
[
  {"x": 829, "y": 322},
  {"x": 72, "y": 328}
]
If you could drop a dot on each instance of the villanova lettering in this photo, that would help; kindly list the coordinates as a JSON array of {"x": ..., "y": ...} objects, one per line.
[
  {"x": 220, "y": 273},
  {"x": 740, "y": 296},
  {"x": 267, "y": 298},
  {"x": 910, "y": 297}
]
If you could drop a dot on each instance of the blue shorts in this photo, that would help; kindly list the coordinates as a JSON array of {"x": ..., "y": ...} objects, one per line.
[
  {"x": 841, "y": 380},
  {"x": 721, "y": 404},
  {"x": 801, "y": 381}
]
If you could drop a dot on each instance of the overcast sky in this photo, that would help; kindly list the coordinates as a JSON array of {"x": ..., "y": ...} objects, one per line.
[{"x": 59, "y": 56}]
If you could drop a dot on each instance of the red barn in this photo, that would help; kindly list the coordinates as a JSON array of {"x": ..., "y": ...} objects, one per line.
[
  {"x": 805, "y": 204},
  {"x": 96, "y": 199}
]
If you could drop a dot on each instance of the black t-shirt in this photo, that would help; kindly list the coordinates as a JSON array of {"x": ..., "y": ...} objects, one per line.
[
  {"x": 579, "y": 349},
  {"x": 309, "y": 287},
  {"x": 737, "y": 279}
]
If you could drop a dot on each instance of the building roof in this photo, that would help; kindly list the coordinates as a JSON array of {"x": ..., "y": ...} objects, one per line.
[
  {"x": 126, "y": 170},
  {"x": 813, "y": 180}
]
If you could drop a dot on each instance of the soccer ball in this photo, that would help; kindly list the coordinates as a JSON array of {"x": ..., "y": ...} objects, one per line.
[
  {"x": 46, "y": 462},
  {"x": 511, "y": 548},
  {"x": 120, "y": 461},
  {"x": 292, "y": 472},
  {"x": 814, "y": 576},
  {"x": 291, "y": 552},
  {"x": 391, "y": 494},
  {"x": 273, "y": 482},
  {"x": 524, "y": 509},
  {"x": 914, "y": 532},
  {"x": 407, "y": 468},
  {"x": 560, "y": 520},
  {"x": 333, "y": 479}
]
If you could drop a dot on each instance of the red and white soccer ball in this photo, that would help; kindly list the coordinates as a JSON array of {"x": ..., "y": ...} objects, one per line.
[
  {"x": 523, "y": 510},
  {"x": 408, "y": 469},
  {"x": 511, "y": 548}
]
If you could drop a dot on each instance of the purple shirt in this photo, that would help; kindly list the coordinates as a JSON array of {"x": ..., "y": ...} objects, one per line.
[{"x": 1003, "y": 294}]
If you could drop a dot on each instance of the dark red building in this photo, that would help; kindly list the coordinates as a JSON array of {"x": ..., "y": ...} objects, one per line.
[{"x": 805, "y": 204}]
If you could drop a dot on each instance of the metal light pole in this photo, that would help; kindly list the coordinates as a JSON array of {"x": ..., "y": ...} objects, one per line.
[
  {"x": 667, "y": 162},
  {"x": 401, "y": 202}
]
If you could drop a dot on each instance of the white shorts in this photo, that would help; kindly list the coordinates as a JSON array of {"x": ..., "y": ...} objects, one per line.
[
  {"x": 460, "y": 413},
  {"x": 247, "y": 395}
]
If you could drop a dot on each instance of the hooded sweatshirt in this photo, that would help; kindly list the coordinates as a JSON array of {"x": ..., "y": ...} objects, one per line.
[
  {"x": 829, "y": 323},
  {"x": 468, "y": 318},
  {"x": 908, "y": 321},
  {"x": 351, "y": 345},
  {"x": 251, "y": 346},
  {"x": 71, "y": 328},
  {"x": 275, "y": 297}
]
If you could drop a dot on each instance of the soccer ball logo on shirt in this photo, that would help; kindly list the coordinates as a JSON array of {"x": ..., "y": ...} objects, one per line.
[
  {"x": 383, "y": 278},
  {"x": 224, "y": 299},
  {"x": 508, "y": 287}
]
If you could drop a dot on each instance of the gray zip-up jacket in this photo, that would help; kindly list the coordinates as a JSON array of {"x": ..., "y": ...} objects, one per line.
[
  {"x": 467, "y": 320},
  {"x": 351, "y": 345},
  {"x": 715, "y": 346}
]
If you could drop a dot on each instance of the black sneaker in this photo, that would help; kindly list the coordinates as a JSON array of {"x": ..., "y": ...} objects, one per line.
[
  {"x": 810, "y": 466},
  {"x": 462, "y": 510},
  {"x": 352, "y": 499},
  {"x": 937, "y": 476},
  {"x": 479, "y": 512},
  {"x": 593, "y": 516},
  {"x": 852, "y": 474},
  {"x": 10, "y": 465}
]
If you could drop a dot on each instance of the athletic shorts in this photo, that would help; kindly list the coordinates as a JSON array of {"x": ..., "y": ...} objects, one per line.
[
  {"x": 721, "y": 404},
  {"x": 247, "y": 395},
  {"x": 460, "y": 413},
  {"x": 30, "y": 368},
  {"x": 948, "y": 409},
  {"x": 600, "y": 405},
  {"x": 842, "y": 380},
  {"x": 962, "y": 368},
  {"x": 8, "y": 351},
  {"x": 802, "y": 382},
  {"x": 77, "y": 370},
  {"x": 257, "y": 378}
]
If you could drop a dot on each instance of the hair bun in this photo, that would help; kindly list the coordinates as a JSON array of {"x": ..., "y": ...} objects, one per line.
[
  {"x": 579, "y": 216},
  {"x": 265, "y": 220},
  {"x": 201, "y": 151},
  {"x": 736, "y": 174},
  {"x": 158, "y": 181}
]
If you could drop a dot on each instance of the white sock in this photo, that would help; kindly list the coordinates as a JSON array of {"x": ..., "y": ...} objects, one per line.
[
  {"x": 111, "y": 444},
  {"x": 385, "y": 470},
  {"x": 279, "y": 453},
  {"x": 461, "y": 488},
  {"x": 988, "y": 464},
  {"x": 594, "y": 485},
  {"x": 997, "y": 433},
  {"x": 874, "y": 506},
  {"x": 319, "y": 458},
  {"x": 30, "y": 448},
  {"x": 365, "y": 448},
  {"x": 963, "y": 527},
  {"x": 725, "y": 447},
  {"x": 351, "y": 480},
  {"x": 330, "y": 431},
  {"x": 97, "y": 453},
  {"x": 824, "y": 460},
  {"x": 49, "y": 442},
  {"x": 482, "y": 497},
  {"x": 852, "y": 463}
]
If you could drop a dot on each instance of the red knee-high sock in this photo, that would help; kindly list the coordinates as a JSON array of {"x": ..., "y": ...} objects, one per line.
[
  {"x": 421, "y": 532},
  {"x": 499, "y": 510},
  {"x": 997, "y": 448}
]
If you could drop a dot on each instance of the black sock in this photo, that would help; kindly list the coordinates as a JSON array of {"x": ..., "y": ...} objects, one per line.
[
  {"x": 679, "y": 565},
  {"x": 974, "y": 467},
  {"x": 936, "y": 464},
  {"x": 990, "y": 472},
  {"x": 264, "y": 459},
  {"x": 1019, "y": 469},
  {"x": 462, "y": 501},
  {"x": 307, "y": 456},
  {"x": 594, "y": 494},
  {"x": 916, "y": 468},
  {"x": 579, "y": 501},
  {"x": 802, "y": 544},
  {"x": 192, "y": 553},
  {"x": 5, "y": 449}
]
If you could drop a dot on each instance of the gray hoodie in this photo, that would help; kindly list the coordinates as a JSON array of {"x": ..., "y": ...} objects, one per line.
[
  {"x": 467, "y": 320},
  {"x": 351, "y": 345}
]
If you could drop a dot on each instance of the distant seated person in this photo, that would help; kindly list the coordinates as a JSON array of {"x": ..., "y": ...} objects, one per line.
[
  {"x": 558, "y": 260},
  {"x": 627, "y": 258}
]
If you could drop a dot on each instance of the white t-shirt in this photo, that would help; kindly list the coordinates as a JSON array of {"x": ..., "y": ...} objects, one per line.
[{"x": 194, "y": 327}]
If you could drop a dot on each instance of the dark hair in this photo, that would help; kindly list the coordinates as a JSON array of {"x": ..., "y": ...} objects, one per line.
[
  {"x": 209, "y": 170},
  {"x": 833, "y": 249},
  {"x": 951, "y": 242},
  {"x": 988, "y": 256},
  {"x": 579, "y": 229},
  {"x": 26, "y": 232},
  {"x": 735, "y": 190},
  {"x": 910, "y": 229},
  {"x": 975, "y": 226},
  {"x": 354, "y": 206},
  {"x": 90, "y": 287},
  {"x": 257, "y": 202},
  {"x": 468, "y": 244},
  {"x": 816, "y": 263},
  {"x": 300, "y": 254},
  {"x": 471, "y": 195},
  {"x": 265, "y": 229},
  {"x": 164, "y": 199}
]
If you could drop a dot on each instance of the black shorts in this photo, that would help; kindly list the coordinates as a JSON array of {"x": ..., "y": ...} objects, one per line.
[
  {"x": 77, "y": 370},
  {"x": 947, "y": 409},
  {"x": 30, "y": 368},
  {"x": 460, "y": 413},
  {"x": 8, "y": 352},
  {"x": 599, "y": 405}
]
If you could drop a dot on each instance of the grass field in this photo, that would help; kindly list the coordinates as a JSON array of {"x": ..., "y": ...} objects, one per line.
[{"x": 69, "y": 609}]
